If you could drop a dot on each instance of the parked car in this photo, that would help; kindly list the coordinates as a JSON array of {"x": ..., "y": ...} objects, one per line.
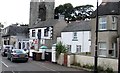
[
  {"x": 4, "y": 49},
  {"x": 17, "y": 54},
  {"x": 26, "y": 50}
]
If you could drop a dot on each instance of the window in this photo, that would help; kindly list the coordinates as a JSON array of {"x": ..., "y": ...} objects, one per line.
[
  {"x": 78, "y": 48},
  {"x": 69, "y": 48},
  {"x": 111, "y": 52},
  {"x": 23, "y": 45},
  {"x": 46, "y": 31},
  {"x": 102, "y": 23},
  {"x": 102, "y": 52},
  {"x": 113, "y": 45},
  {"x": 28, "y": 45},
  {"x": 19, "y": 45},
  {"x": 74, "y": 36},
  {"x": 102, "y": 49},
  {"x": 114, "y": 22},
  {"x": 33, "y": 33},
  {"x": 39, "y": 34},
  {"x": 102, "y": 45}
]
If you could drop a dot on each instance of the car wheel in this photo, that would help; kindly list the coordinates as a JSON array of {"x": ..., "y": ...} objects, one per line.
[
  {"x": 26, "y": 60},
  {"x": 11, "y": 59}
]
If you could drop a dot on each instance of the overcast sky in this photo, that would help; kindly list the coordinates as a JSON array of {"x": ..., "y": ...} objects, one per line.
[{"x": 12, "y": 11}]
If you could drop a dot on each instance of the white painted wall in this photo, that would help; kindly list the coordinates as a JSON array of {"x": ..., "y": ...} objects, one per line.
[
  {"x": 42, "y": 33},
  {"x": 83, "y": 40},
  {"x": 36, "y": 37},
  {"x": 21, "y": 39}
]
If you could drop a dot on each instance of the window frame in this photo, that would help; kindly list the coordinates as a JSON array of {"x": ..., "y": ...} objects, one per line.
[
  {"x": 114, "y": 23},
  {"x": 102, "y": 23},
  {"x": 78, "y": 47},
  {"x": 46, "y": 32},
  {"x": 103, "y": 49},
  {"x": 75, "y": 38},
  {"x": 33, "y": 33},
  {"x": 69, "y": 48}
]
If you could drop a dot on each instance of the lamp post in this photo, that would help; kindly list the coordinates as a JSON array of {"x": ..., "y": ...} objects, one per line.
[{"x": 96, "y": 43}]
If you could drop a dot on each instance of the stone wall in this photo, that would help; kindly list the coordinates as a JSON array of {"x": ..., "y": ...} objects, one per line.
[
  {"x": 103, "y": 62},
  {"x": 60, "y": 60}
]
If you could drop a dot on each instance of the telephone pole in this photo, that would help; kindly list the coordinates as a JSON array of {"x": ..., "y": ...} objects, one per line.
[{"x": 96, "y": 43}]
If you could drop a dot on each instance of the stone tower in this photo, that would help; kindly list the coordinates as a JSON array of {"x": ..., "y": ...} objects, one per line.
[{"x": 41, "y": 10}]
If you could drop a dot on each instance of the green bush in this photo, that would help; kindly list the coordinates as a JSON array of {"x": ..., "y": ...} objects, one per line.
[
  {"x": 88, "y": 66},
  {"x": 60, "y": 48},
  {"x": 109, "y": 70},
  {"x": 100, "y": 69}
]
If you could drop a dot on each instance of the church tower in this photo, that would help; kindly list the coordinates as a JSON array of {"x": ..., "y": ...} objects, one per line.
[{"x": 41, "y": 10}]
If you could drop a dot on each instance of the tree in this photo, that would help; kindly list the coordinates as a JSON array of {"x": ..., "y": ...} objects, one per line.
[
  {"x": 83, "y": 12},
  {"x": 66, "y": 9},
  {"x": 74, "y": 13},
  {"x": 60, "y": 48}
]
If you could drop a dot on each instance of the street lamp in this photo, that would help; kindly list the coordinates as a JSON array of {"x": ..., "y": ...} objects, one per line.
[{"x": 96, "y": 43}]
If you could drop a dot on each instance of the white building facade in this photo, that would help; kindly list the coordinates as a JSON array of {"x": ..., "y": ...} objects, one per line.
[
  {"x": 77, "y": 42},
  {"x": 77, "y": 37},
  {"x": 39, "y": 35}
]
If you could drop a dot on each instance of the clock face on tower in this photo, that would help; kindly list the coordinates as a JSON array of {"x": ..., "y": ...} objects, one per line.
[{"x": 42, "y": 12}]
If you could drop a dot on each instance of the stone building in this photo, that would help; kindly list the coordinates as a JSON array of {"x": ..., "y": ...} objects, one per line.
[
  {"x": 16, "y": 35},
  {"x": 43, "y": 28},
  {"x": 108, "y": 13},
  {"x": 41, "y": 10}
]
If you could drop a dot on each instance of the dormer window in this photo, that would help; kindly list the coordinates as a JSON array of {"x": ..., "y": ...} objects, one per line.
[{"x": 102, "y": 23}]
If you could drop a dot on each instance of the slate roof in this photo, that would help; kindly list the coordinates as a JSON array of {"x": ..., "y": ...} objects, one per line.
[
  {"x": 77, "y": 26},
  {"x": 14, "y": 30},
  {"x": 107, "y": 8},
  {"x": 47, "y": 23}
]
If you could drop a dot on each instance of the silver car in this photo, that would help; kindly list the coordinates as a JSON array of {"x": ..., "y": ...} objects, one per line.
[{"x": 17, "y": 54}]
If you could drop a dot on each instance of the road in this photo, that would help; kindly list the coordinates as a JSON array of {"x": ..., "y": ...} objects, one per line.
[{"x": 35, "y": 67}]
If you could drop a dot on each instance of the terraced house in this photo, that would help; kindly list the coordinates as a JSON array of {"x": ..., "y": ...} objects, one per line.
[
  {"x": 16, "y": 35},
  {"x": 108, "y": 13}
]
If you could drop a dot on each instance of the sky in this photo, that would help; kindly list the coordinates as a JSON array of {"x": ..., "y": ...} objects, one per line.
[{"x": 17, "y": 11}]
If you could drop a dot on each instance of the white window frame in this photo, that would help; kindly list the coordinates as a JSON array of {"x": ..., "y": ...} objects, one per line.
[
  {"x": 34, "y": 33},
  {"x": 46, "y": 32},
  {"x": 69, "y": 48},
  {"x": 114, "y": 23},
  {"x": 103, "y": 21},
  {"x": 78, "y": 48},
  {"x": 74, "y": 36},
  {"x": 103, "y": 49}
]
